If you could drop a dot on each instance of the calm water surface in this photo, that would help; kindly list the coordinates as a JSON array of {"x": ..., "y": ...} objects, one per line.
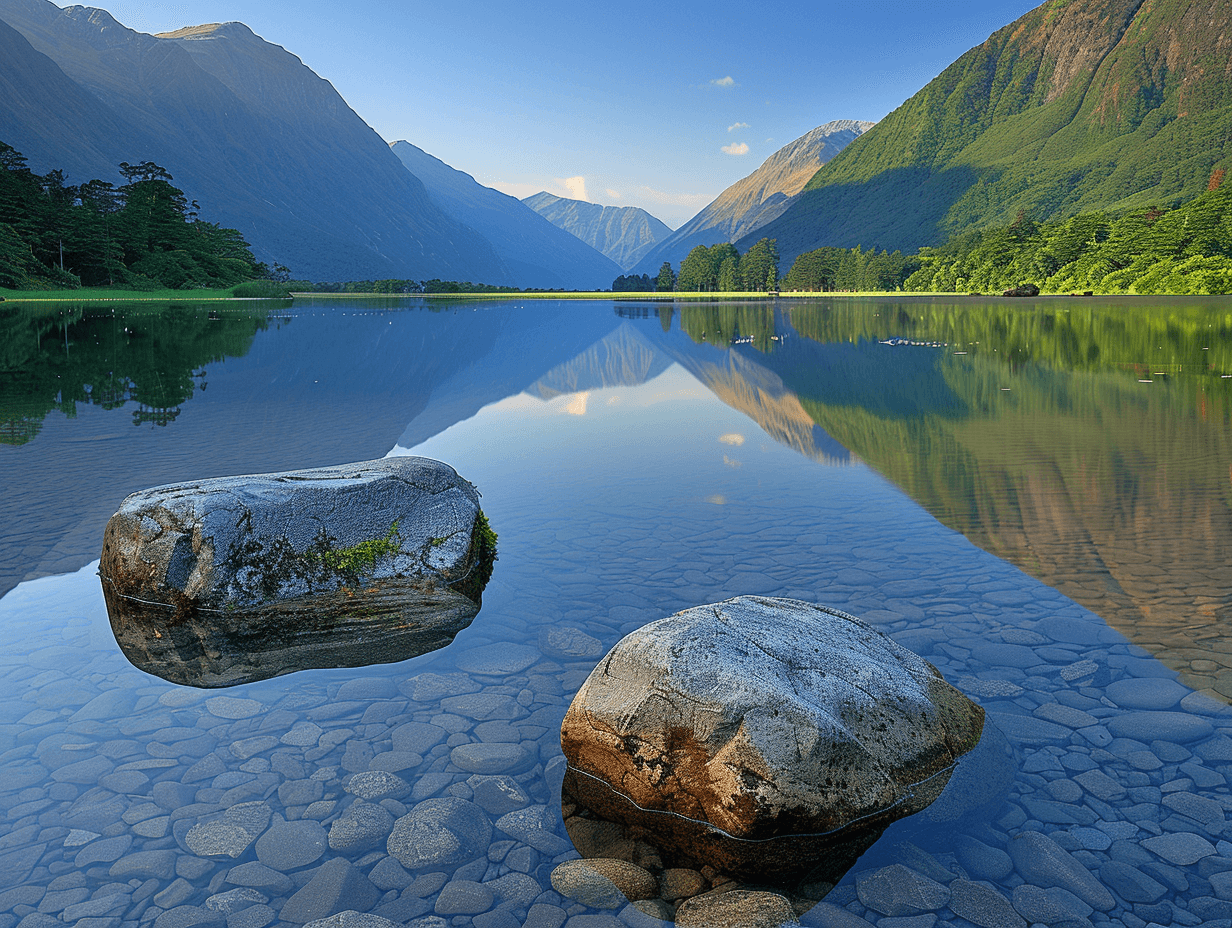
[{"x": 1036, "y": 498}]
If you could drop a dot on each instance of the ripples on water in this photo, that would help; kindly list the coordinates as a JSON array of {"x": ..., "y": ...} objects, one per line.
[{"x": 633, "y": 469}]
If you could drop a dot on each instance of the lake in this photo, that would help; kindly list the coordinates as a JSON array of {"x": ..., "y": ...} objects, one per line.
[{"x": 1034, "y": 496}]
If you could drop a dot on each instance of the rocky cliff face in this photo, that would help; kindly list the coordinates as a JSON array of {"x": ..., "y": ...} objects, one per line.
[
  {"x": 537, "y": 253},
  {"x": 763, "y": 196},
  {"x": 263, "y": 143},
  {"x": 1080, "y": 105},
  {"x": 622, "y": 233}
]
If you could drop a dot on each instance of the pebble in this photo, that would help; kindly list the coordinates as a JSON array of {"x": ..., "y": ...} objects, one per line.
[
  {"x": 897, "y": 890},
  {"x": 1040, "y": 860},
  {"x": 291, "y": 845},
  {"x": 1180, "y": 848},
  {"x": 736, "y": 909},
  {"x": 440, "y": 833},
  {"x": 603, "y": 883}
]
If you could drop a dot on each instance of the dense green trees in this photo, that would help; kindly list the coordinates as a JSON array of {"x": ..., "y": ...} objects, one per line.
[
  {"x": 1187, "y": 250},
  {"x": 633, "y": 283},
  {"x": 721, "y": 268},
  {"x": 849, "y": 269},
  {"x": 143, "y": 235}
]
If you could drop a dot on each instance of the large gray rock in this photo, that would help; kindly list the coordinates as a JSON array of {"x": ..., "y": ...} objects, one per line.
[
  {"x": 769, "y": 738},
  {"x": 223, "y": 581}
]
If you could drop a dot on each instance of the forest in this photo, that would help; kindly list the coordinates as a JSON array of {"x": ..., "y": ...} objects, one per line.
[
  {"x": 1182, "y": 250},
  {"x": 142, "y": 235}
]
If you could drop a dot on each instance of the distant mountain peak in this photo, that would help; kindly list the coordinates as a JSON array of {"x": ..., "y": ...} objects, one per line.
[
  {"x": 623, "y": 233},
  {"x": 762, "y": 196}
]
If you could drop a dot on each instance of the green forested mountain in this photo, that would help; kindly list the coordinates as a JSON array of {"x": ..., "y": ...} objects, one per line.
[{"x": 1079, "y": 106}]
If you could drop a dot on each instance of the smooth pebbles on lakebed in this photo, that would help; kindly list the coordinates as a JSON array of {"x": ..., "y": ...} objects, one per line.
[{"x": 427, "y": 794}]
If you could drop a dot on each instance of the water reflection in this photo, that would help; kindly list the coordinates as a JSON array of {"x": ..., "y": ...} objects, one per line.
[
  {"x": 1088, "y": 444},
  {"x": 56, "y": 357},
  {"x": 145, "y": 801}
]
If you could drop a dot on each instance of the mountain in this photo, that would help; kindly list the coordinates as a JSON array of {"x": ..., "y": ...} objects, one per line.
[
  {"x": 537, "y": 253},
  {"x": 749, "y": 204},
  {"x": 1080, "y": 105},
  {"x": 623, "y": 233},
  {"x": 245, "y": 128}
]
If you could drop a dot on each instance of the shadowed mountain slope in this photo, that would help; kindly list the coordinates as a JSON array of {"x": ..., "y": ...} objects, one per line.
[
  {"x": 264, "y": 144},
  {"x": 622, "y": 233},
  {"x": 1080, "y": 105},
  {"x": 537, "y": 253}
]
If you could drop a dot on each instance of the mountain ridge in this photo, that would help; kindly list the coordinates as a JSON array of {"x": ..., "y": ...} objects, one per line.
[
  {"x": 322, "y": 194},
  {"x": 759, "y": 197},
  {"x": 622, "y": 233},
  {"x": 1077, "y": 106},
  {"x": 537, "y": 253}
]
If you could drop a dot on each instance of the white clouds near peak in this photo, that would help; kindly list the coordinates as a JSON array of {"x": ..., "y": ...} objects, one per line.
[
  {"x": 728, "y": 81},
  {"x": 736, "y": 148},
  {"x": 737, "y": 125}
]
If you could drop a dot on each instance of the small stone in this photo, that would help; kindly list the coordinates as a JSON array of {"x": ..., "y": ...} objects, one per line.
[
  {"x": 303, "y": 734},
  {"x": 535, "y": 826},
  {"x": 982, "y": 861},
  {"x": 335, "y": 887},
  {"x": 375, "y": 785},
  {"x": 1130, "y": 883},
  {"x": 235, "y": 900},
  {"x": 463, "y": 897},
  {"x": 1176, "y": 727},
  {"x": 603, "y": 883},
  {"x": 1040, "y": 860},
  {"x": 363, "y": 826},
  {"x": 981, "y": 904},
  {"x": 483, "y": 758},
  {"x": 1180, "y": 848},
  {"x": 440, "y": 833},
  {"x": 897, "y": 890},
  {"x": 229, "y": 707},
  {"x": 569, "y": 643},
  {"x": 498, "y": 659},
  {"x": 352, "y": 919},
  {"x": 291, "y": 845},
  {"x": 679, "y": 883},
  {"x": 190, "y": 916},
  {"x": 1151, "y": 693},
  {"x": 259, "y": 876},
  {"x": 736, "y": 909},
  {"x": 498, "y": 795}
]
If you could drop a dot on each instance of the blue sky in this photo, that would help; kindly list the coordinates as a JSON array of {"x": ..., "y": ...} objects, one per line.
[{"x": 637, "y": 99}]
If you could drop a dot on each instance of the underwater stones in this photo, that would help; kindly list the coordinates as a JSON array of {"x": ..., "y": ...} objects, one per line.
[
  {"x": 224, "y": 581},
  {"x": 738, "y": 908},
  {"x": 603, "y": 883},
  {"x": 766, "y": 737},
  {"x": 440, "y": 834}
]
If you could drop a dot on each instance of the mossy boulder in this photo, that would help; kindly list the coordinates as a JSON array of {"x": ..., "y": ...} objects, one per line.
[
  {"x": 771, "y": 739},
  {"x": 223, "y": 581}
]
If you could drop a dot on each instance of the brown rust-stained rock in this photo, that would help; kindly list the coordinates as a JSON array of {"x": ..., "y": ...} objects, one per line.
[
  {"x": 769, "y": 738},
  {"x": 223, "y": 581}
]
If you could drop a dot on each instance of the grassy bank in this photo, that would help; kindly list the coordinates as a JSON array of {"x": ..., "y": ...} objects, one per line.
[{"x": 110, "y": 295}]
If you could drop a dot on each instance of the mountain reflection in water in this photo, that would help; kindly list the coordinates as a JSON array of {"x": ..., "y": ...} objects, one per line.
[{"x": 1088, "y": 442}]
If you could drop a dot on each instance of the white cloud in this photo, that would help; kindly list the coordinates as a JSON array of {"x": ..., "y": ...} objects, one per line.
[
  {"x": 736, "y": 148},
  {"x": 724, "y": 81},
  {"x": 734, "y": 439},
  {"x": 613, "y": 194},
  {"x": 737, "y": 125},
  {"x": 576, "y": 187},
  {"x": 577, "y": 405}
]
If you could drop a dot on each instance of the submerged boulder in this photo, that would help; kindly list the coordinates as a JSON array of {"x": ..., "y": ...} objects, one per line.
[
  {"x": 772, "y": 739},
  {"x": 223, "y": 581}
]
